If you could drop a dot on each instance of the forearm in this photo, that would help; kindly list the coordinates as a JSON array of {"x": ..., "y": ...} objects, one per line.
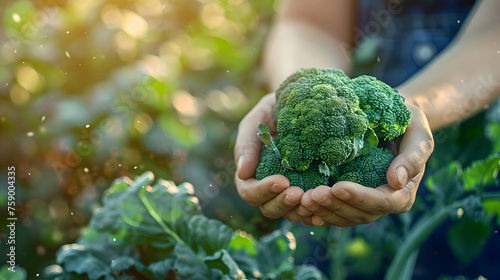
[
  {"x": 313, "y": 33},
  {"x": 460, "y": 84},
  {"x": 464, "y": 79},
  {"x": 293, "y": 45}
]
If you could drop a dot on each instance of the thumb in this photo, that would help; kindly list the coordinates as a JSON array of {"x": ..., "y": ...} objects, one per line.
[{"x": 414, "y": 151}]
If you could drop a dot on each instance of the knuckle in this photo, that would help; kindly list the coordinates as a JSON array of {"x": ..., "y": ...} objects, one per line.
[
  {"x": 248, "y": 199},
  {"x": 383, "y": 207},
  {"x": 266, "y": 213},
  {"x": 362, "y": 219}
]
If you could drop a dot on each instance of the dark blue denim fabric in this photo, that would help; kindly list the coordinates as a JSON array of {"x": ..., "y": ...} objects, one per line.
[{"x": 407, "y": 34}]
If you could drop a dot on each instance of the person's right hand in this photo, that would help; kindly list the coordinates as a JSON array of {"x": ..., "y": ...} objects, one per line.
[{"x": 274, "y": 195}]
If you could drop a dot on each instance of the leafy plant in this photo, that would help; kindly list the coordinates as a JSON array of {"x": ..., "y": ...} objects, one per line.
[{"x": 158, "y": 232}]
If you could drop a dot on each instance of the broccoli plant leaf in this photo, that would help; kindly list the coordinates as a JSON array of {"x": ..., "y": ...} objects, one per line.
[
  {"x": 492, "y": 207},
  {"x": 323, "y": 168},
  {"x": 188, "y": 265},
  {"x": 446, "y": 184},
  {"x": 467, "y": 239},
  {"x": 123, "y": 263},
  {"x": 275, "y": 250},
  {"x": 208, "y": 234},
  {"x": 481, "y": 173},
  {"x": 158, "y": 215},
  {"x": 370, "y": 141},
  {"x": 161, "y": 268},
  {"x": 363, "y": 145},
  {"x": 308, "y": 272},
  {"x": 223, "y": 261},
  {"x": 19, "y": 274},
  {"x": 265, "y": 136},
  {"x": 77, "y": 259}
]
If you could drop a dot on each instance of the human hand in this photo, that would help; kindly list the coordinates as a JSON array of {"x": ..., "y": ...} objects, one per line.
[
  {"x": 274, "y": 195},
  {"x": 348, "y": 204}
]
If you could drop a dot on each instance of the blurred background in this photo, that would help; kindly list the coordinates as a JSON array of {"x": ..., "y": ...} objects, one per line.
[{"x": 97, "y": 89}]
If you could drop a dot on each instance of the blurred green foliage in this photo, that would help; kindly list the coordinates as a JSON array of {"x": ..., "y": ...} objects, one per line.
[
  {"x": 99, "y": 89},
  {"x": 94, "y": 90}
]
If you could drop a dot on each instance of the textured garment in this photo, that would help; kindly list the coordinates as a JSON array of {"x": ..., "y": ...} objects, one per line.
[{"x": 396, "y": 37}]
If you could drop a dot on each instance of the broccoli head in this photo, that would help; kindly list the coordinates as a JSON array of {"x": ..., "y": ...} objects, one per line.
[
  {"x": 329, "y": 127},
  {"x": 384, "y": 106},
  {"x": 369, "y": 169},
  {"x": 287, "y": 85},
  {"x": 321, "y": 120}
]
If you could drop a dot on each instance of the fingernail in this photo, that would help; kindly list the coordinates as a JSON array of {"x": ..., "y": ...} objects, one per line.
[
  {"x": 241, "y": 161},
  {"x": 289, "y": 202},
  {"x": 325, "y": 201},
  {"x": 402, "y": 175},
  {"x": 276, "y": 188},
  {"x": 302, "y": 211},
  {"x": 342, "y": 194}
]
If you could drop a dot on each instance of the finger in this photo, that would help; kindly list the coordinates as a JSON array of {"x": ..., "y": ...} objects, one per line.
[
  {"x": 283, "y": 203},
  {"x": 256, "y": 192},
  {"x": 248, "y": 146},
  {"x": 307, "y": 205},
  {"x": 378, "y": 201},
  {"x": 294, "y": 216},
  {"x": 307, "y": 222},
  {"x": 415, "y": 148},
  {"x": 333, "y": 219},
  {"x": 333, "y": 207}
]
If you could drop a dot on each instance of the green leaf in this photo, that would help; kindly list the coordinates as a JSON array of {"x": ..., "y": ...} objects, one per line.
[
  {"x": 124, "y": 263},
  {"x": 492, "y": 207},
  {"x": 106, "y": 217},
  {"x": 446, "y": 184},
  {"x": 157, "y": 215},
  {"x": 481, "y": 173},
  {"x": 208, "y": 234},
  {"x": 161, "y": 268},
  {"x": 223, "y": 261},
  {"x": 16, "y": 273},
  {"x": 370, "y": 141},
  {"x": 75, "y": 258},
  {"x": 308, "y": 272},
  {"x": 189, "y": 265},
  {"x": 275, "y": 250},
  {"x": 265, "y": 136},
  {"x": 473, "y": 207},
  {"x": 245, "y": 242},
  {"x": 323, "y": 169},
  {"x": 467, "y": 239}
]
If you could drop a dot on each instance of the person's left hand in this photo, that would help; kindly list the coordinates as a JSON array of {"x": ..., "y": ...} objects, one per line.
[{"x": 348, "y": 204}]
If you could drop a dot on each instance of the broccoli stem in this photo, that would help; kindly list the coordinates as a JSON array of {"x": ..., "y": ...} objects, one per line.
[{"x": 420, "y": 232}]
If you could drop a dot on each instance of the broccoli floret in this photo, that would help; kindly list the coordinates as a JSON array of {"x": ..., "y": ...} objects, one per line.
[
  {"x": 270, "y": 164},
  {"x": 369, "y": 169},
  {"x": 318, "y": 112},
  {"x": 384, "y": 106},
  {"x": 287, "y": 86},
  {"x": 329, "y": 128}
]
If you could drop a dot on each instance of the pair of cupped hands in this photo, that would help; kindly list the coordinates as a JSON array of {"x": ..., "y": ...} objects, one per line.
[{"x": 345, "y": 203}]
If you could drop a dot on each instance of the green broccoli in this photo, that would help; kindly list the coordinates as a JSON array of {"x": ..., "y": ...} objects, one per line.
[
  {"x": 321, "y": 120},
  {"x": 329, "y": 126},
  {"x": 384, "y": 106},
  {"x": 287, "y": 86},
  {"x": 369, "y": 169},
  {"x": 270, "y": 164}
]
